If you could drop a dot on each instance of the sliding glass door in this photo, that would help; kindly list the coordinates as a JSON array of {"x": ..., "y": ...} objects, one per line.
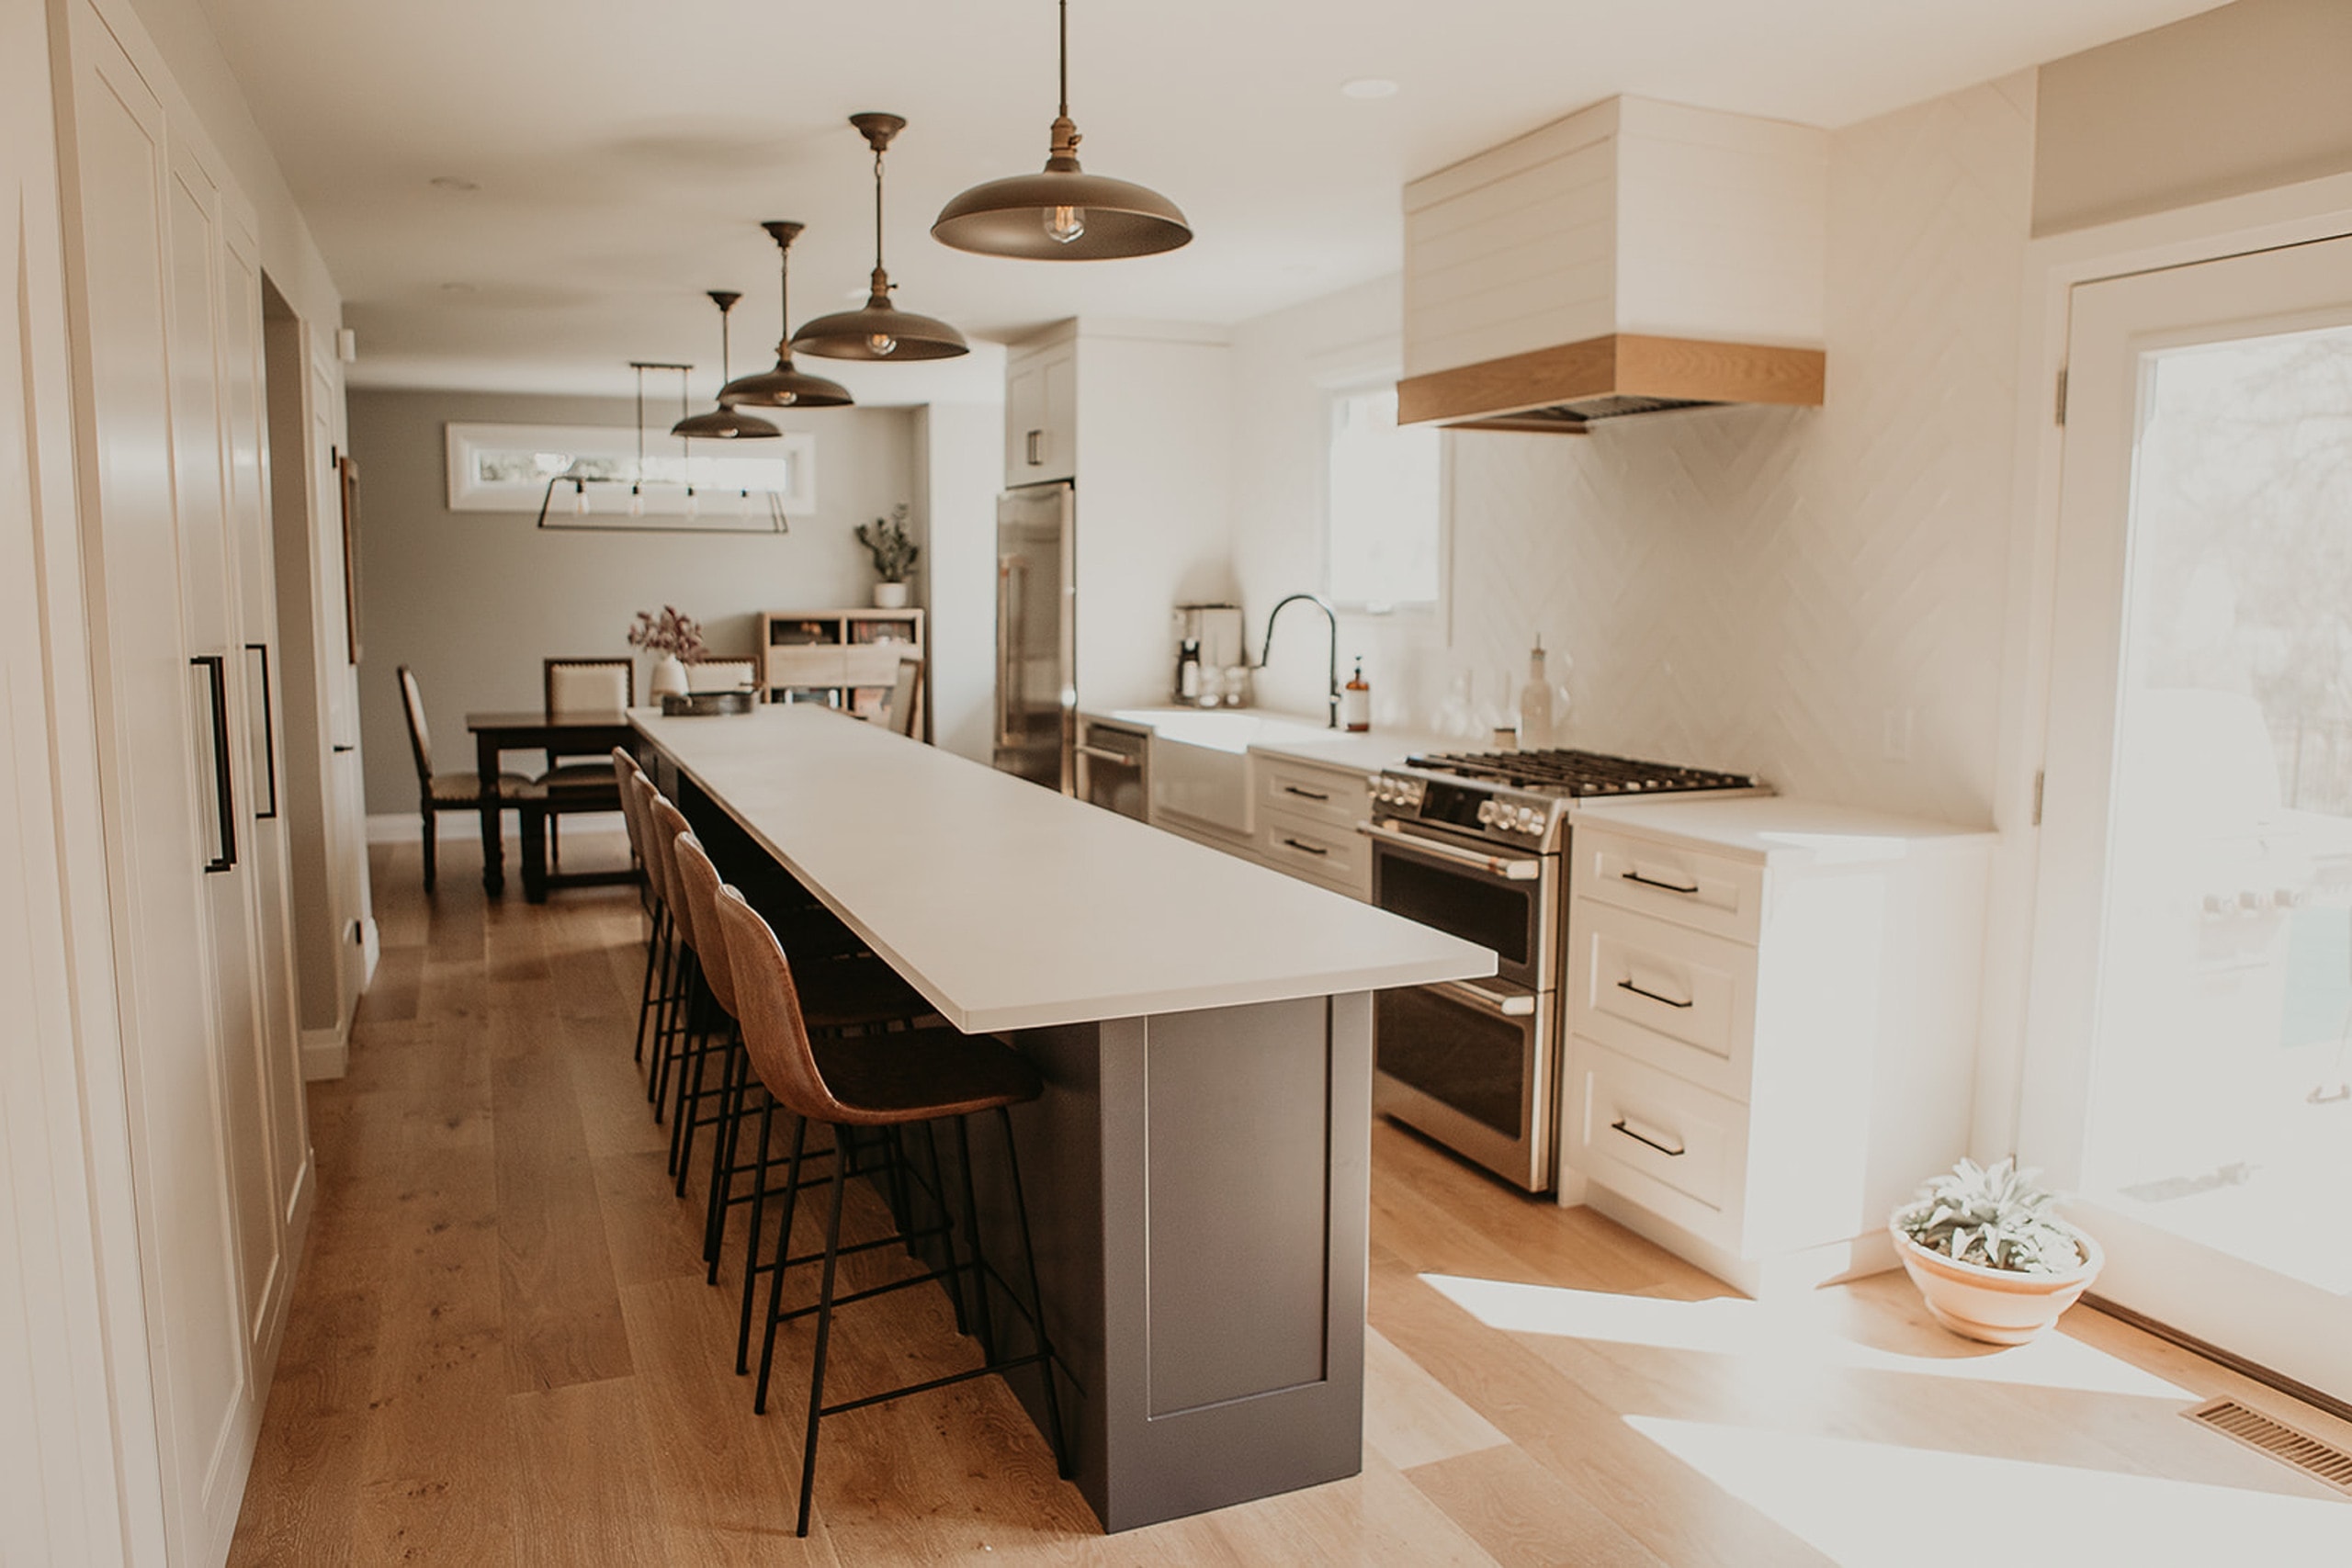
[{"x": 2190, "y": 1061}]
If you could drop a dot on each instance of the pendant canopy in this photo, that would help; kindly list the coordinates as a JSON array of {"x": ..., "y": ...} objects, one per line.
[
  {"x": 724, "y": 423},
  {"x": 785, "y": 386},
  {"x": 1063, "y": 213},
  {"x": 879, "y": 330}
]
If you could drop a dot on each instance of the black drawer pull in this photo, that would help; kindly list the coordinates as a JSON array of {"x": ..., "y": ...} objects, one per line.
[
  {"x": 1310, "y": 849},
  {"x": 1303, "y": 794},
  {"x": 1669, "y": 1001},
  {"x": 1661, "y": 887},
  {"x": 1619, "y": 1126}
]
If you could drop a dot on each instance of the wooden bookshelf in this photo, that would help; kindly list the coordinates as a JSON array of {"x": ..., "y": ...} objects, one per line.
[{"x": 845, "y": 658}]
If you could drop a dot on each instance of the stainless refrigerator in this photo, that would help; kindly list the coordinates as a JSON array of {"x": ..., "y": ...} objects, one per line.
[{"x": 1036, "y": 634}]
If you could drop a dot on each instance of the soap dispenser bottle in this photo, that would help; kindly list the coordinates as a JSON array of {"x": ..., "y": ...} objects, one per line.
[
  {"x": 1355, "y": 702},
  {"x": 1535, "y": 704}
]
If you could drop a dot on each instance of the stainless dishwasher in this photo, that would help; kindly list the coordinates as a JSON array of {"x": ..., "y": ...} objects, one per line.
[{"x": 1114, "y": 766}]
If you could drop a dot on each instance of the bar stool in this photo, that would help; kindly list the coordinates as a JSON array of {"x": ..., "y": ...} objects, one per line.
[
  {"x": 922, "y": 1076},
  {"x": 626, "y": 773},
  {"x": 837, "y": 996}
]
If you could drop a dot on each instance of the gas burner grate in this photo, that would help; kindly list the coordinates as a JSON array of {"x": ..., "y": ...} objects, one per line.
[{"x": 1580, "y": 774}]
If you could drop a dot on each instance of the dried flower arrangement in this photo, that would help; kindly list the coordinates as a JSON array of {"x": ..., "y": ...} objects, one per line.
[
  {"x": 886, "y": 541},
  {"x": 668, "y": 633}
]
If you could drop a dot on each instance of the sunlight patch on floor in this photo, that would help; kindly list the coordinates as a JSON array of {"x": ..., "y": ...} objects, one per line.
[
  {"x": 1786, "y": 1333},
  {"x": 1877, "y": 1506}
]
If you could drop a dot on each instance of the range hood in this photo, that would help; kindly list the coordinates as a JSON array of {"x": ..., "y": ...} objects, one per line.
[{"x": 1633, "y": 258}]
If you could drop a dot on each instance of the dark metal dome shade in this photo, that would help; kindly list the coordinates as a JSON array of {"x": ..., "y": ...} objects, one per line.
[
  {"x": 724, "y": 424},
  {"x": 785, "y": 387},
  {"x": 881, "y": 330},
  {"x": 1017, "y": 217}
]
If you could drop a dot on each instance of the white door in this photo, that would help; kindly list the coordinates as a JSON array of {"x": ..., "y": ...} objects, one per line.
[{"x": 2189, "y": 1074}]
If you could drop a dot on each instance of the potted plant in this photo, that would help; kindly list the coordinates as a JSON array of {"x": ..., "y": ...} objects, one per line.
[
  {"x": 894, "y": 557},
  {"x": 676, "y": 641},
  {"x": 1990, "y": 1254}
]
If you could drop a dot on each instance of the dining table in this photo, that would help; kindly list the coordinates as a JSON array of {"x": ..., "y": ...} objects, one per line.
[{"x": 533, "y": 729}]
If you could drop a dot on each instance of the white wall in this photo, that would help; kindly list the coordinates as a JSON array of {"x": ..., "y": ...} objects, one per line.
[
  {"x": 959, "y": 452},
  {"x": 1749, "y": 587},
  {"x": 473, "y": 600}
]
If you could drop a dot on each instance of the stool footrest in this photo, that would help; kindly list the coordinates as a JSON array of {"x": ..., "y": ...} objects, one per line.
[{"x": 927, "y": 1384}]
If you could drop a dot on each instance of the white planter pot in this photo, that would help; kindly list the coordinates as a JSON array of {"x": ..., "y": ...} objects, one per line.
[
  {"x": 1999, "y": 1306},
  {"x": 890, "y": 595},
  {"x": 668, "y": 679}
]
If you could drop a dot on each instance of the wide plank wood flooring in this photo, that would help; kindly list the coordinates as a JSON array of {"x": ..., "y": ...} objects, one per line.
[{"x": 501, "y": 1350}]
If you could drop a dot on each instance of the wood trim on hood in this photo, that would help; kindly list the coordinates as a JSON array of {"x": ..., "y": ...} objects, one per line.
[{"x": 1621, "y": 364}]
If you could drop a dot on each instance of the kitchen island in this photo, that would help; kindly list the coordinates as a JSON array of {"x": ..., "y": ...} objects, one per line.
[{"x": 1198, "y": 1167}]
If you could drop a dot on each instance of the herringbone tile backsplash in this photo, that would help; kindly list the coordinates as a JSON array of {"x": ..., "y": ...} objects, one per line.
[{"x": 1761, "y": 589}]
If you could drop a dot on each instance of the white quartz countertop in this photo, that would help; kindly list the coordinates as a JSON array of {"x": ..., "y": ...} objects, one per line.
[
  {"x": 1778, "y": 829},
  {"x": 1011, "y": 907}
]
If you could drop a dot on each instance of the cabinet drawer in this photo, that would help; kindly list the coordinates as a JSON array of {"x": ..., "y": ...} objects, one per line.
[
  {"x": 811, "y": 664},
  {"x": 1669, "y": 1145},
  {"x": 1313, "y": 848},
  {"x": 1708, "y": 893},
  {"x": 1327, "y": 796},
  {"x": 1677, "y": 998}
]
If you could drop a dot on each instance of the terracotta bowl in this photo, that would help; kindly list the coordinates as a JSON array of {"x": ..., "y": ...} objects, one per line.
[{"x": 1997, "y": 1307}]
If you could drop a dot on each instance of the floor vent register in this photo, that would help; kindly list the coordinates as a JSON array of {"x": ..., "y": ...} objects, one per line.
[{"x": 2281, "y": 1442}]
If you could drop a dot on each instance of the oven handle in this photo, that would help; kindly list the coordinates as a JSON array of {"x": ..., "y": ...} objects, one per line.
[
  {"x": 1510, "y": 868},
  {"x": 1502, "y": 1004}
]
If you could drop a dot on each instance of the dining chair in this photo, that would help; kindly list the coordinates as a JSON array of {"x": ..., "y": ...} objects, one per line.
[
  {"x": 722, "y": 675},
  {"x": 572, "y": 782},
  {"x": 437, "y": 792},
  {"x": 902, "y": 710}
]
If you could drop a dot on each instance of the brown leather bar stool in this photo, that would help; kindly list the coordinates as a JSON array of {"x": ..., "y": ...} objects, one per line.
[
  {"x": 920, "y": 1076},
  {"x": 674, "y": 996},
  {"x": 626, "y": 773},
  {"x": 837, "y": 996}
]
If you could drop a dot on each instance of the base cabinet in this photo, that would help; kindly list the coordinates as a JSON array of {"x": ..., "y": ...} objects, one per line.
[{"x": 1771, "y": 1026}]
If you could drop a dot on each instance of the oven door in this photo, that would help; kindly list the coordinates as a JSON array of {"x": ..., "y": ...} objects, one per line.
[
  {"x": 1492, "y": 897},
  {"x": 1471, "y": 1063}
]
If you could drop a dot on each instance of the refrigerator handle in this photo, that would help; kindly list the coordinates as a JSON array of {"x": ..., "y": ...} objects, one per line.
[{"x": 1007, "y": 660}]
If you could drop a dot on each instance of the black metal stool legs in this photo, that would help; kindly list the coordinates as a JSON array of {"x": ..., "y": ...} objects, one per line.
[{"x": 824, "y": 1337}]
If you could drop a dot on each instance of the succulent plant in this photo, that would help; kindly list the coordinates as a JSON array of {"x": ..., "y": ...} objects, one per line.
[{"x": 1995, "y": 1217}]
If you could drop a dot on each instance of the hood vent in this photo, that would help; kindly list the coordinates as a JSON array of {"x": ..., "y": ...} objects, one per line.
[{"x": 1633, "y": 258}]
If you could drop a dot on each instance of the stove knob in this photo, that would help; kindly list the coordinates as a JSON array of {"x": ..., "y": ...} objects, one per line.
[
  {"x": 1529, "y": 820},
  {"x": 1487, "y": 811},
  {"x": 1382, "y": 790}
]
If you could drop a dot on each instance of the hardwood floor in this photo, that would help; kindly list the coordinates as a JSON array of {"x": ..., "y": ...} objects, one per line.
[{"x": 502, "y": 1351}]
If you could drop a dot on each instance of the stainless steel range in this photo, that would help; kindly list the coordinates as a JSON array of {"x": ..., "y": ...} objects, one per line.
[{"x": 1475, "y": 843}]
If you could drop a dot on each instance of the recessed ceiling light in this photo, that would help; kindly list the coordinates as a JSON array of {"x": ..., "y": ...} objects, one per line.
[
  {"x": 1369, "y": 87},
  {"x": 452, "y": 182}
]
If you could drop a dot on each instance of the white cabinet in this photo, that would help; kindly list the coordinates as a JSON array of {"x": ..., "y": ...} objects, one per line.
[
  {"x": 1041, "y": 414},
  {"x": 160, "y": 265},
  {"x": 1771, "y": 1020},
  {"x": 1306, "y": 822}
]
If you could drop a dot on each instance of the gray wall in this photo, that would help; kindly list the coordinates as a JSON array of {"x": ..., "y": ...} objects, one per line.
[
  {"x": 473, "y": 601},
  {"x": 2251, "y": 96}
]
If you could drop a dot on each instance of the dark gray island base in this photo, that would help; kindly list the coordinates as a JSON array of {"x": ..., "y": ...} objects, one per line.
[{"x": 1197, "y": 1171}]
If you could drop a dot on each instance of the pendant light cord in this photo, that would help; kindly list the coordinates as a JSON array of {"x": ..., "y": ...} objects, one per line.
[
  {"x": 878, "y": 211},
  {"x": 1065, "y": 7}
]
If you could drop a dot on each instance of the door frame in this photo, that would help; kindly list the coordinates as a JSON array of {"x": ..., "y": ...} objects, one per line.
[{"x": 2054, "y": 266}]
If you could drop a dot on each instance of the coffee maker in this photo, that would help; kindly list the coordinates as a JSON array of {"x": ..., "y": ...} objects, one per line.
[{"x": 1213, "y": 632}]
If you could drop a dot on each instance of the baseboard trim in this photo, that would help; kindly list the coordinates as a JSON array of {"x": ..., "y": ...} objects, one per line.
[
  {"x": 326, "y": 1053},
  {"x": 2318, "y": 1399},
  {"x": 1762, "y": 1279}
]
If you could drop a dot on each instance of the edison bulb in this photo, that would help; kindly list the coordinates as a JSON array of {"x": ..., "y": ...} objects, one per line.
[
  {"x": 636, "y": 502},
  {"x": 1064, "y": 224},
  {"x": 579, "y": 500},
  {"x": 882, "y": 343}
]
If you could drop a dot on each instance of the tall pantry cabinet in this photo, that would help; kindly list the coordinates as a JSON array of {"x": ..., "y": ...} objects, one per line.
[{"x": 163, "y": 293}]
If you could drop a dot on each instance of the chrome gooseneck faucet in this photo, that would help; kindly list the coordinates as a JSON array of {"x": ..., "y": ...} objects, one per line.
[{"x": 1333, "y": 675}]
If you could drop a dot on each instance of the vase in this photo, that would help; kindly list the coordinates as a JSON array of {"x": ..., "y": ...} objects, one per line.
[
  {"x": 1994, "y": 1306},
  {"x": 890, "y": 595},
  {"x": 668, "y": 679}
]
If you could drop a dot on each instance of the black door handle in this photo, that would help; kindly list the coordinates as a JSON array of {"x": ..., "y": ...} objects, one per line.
[
  {"x": 269, "y": 735},
  {"x": 1311, "y": 848},
  {"x": 340, "y": 749},
  {"x": 217, "y": 669}
]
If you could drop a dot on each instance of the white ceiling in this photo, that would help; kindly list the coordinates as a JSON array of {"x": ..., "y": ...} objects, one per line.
[{"x": 625, "y": 151}]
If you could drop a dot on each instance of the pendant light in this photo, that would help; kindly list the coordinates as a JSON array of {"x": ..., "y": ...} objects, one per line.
[
  {"x": 1064, "y": 213},
  {"x": 784, "y": 386},
  {"x": 879, "y": 330},
  {"x": 724, "y": 423}
]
